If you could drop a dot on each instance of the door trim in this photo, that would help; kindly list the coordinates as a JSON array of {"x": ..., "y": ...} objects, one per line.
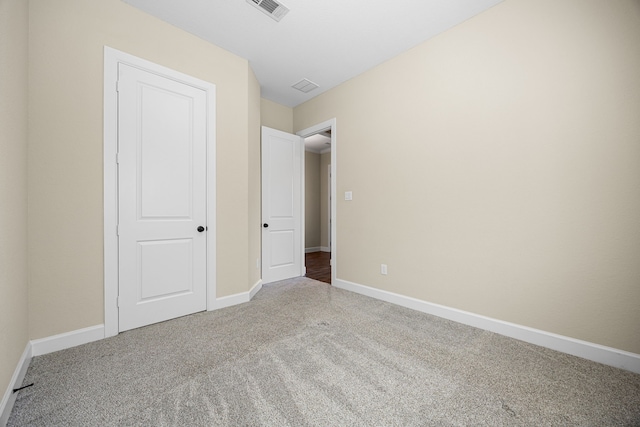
[
  {"x": 112, "y": 58},
  {"x": 329, "y": 124},
  {"x": 330, "y": 205}
]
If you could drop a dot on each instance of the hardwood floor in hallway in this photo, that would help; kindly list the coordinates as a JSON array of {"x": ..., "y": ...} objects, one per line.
[{"x": 319, "y": 266}]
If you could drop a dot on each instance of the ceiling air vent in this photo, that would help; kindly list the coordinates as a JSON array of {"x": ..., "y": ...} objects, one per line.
[
  {"x": 305, "y": 86},
  {"x": 270, "y": 7}
]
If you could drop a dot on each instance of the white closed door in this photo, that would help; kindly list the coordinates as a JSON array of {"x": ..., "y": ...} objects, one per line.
[
  {"x": 281, "y": 205},
  {"x": 162, "y": 138}
]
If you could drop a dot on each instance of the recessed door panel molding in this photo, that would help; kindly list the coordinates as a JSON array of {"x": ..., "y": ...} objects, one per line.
[
  {"x": 281, "y": 185},
  {"x": 159, "y": 279},
  {"x": 282, "y": 248},
  {"x": 166, "y": 140}
]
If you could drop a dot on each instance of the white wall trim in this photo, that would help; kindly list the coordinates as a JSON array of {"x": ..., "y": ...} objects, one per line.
[
  {"x": 110, "y": 193},
  {"x": 67, "y": 340},
  {"x": 317, "y": 249},
  {"x": 9, "y": 397},
  {"x": 112, "y": 58},
  {"x": 330, "y": 202},
  {"x": 38, "y": 348},
  {"x": 587, "y": 350},
  {"x": 236, "y": 299},
  {"x": 255, "y": 289},
  {"x": 231, "y": 300}
]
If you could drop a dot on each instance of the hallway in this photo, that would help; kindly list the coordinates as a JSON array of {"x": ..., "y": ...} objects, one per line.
[{"x": 319, "y": 266}]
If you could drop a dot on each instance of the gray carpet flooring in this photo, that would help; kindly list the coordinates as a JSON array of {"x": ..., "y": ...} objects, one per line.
[{"x": 303, "y": 353}]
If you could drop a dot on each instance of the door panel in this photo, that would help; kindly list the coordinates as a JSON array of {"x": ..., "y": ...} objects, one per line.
[
  {"x": 282, "y": 248},
  {"x": 162, "y": 198},
  {"x": 281, "y": 205},
  {"x": 282, "y": 171},
  {"x": 159, "y": 279},
  {"x": 166, "y": 152}
]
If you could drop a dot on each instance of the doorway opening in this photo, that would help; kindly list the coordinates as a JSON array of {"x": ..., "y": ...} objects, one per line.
[
  {"x": 319, "y": 192},
  {"x": 317, "y": 241}
]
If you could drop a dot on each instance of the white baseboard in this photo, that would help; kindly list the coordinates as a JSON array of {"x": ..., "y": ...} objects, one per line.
[
  {"x": 587, "y": 350},
  {"x": 240, "y": 298},
  {"x": 231, "y": 300},
  {"x": 9, "y": 398},
  {"x": 66, "y": 340},
  {"x": 317, "y": 249},
  {"x": 254, "y": 290}
]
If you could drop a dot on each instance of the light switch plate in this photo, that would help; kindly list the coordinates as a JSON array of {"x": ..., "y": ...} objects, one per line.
[{"x": 348, "y": 195}]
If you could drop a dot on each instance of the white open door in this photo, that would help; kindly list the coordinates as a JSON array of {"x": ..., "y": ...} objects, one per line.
[
  {"x": 162, "y": 198},
  {"x": 282, "y": 247}
]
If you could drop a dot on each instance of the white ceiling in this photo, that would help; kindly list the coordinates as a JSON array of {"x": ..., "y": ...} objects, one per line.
[
  {"x": 318, "y": 143},
  {"x": 327, "y": 42}
]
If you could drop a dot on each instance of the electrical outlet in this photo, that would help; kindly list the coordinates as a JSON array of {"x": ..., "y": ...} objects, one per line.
[{"x": 383, "y": 269}]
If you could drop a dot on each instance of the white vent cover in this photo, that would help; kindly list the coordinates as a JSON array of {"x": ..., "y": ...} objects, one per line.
[
  {"x": 305, "y": 86},
  {"x": 270, "y": 7}
]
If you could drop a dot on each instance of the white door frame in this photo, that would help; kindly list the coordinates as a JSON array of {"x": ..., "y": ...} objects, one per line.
[
  {"x": 305, "y": 133},
  {"x": 112, "y": 58},
  {"x": 330, "y": 207}
]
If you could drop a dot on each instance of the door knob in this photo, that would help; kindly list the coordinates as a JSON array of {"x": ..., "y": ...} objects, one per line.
[
  {"x": 200, "y": 229},
  {"x": 265, "y": 225}
]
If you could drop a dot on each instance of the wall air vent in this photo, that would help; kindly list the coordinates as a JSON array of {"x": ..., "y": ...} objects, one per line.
[
  {"x": 305, "y": 86},
  {"x": 270, "y": 7}
]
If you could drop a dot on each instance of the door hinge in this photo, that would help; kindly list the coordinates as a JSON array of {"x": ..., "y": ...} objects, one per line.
[
  {"x": 118, "y": 230},
  {"x": 118, "y": 86},
  {"x": 118, "y": 300},
  {"x": 118, "y": 158}
]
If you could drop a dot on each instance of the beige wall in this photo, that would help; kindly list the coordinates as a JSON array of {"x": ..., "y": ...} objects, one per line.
[
  {"x": 311, "y": 200},
  {"x": 276, "y": 116},
  {"x": 14, "y": 334},
  {"x": 65, "y": 150},
  {"x": 325, "y": 161},
  {"x": 255, "y": 220},
  {"x": 495, "y": 168}
]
